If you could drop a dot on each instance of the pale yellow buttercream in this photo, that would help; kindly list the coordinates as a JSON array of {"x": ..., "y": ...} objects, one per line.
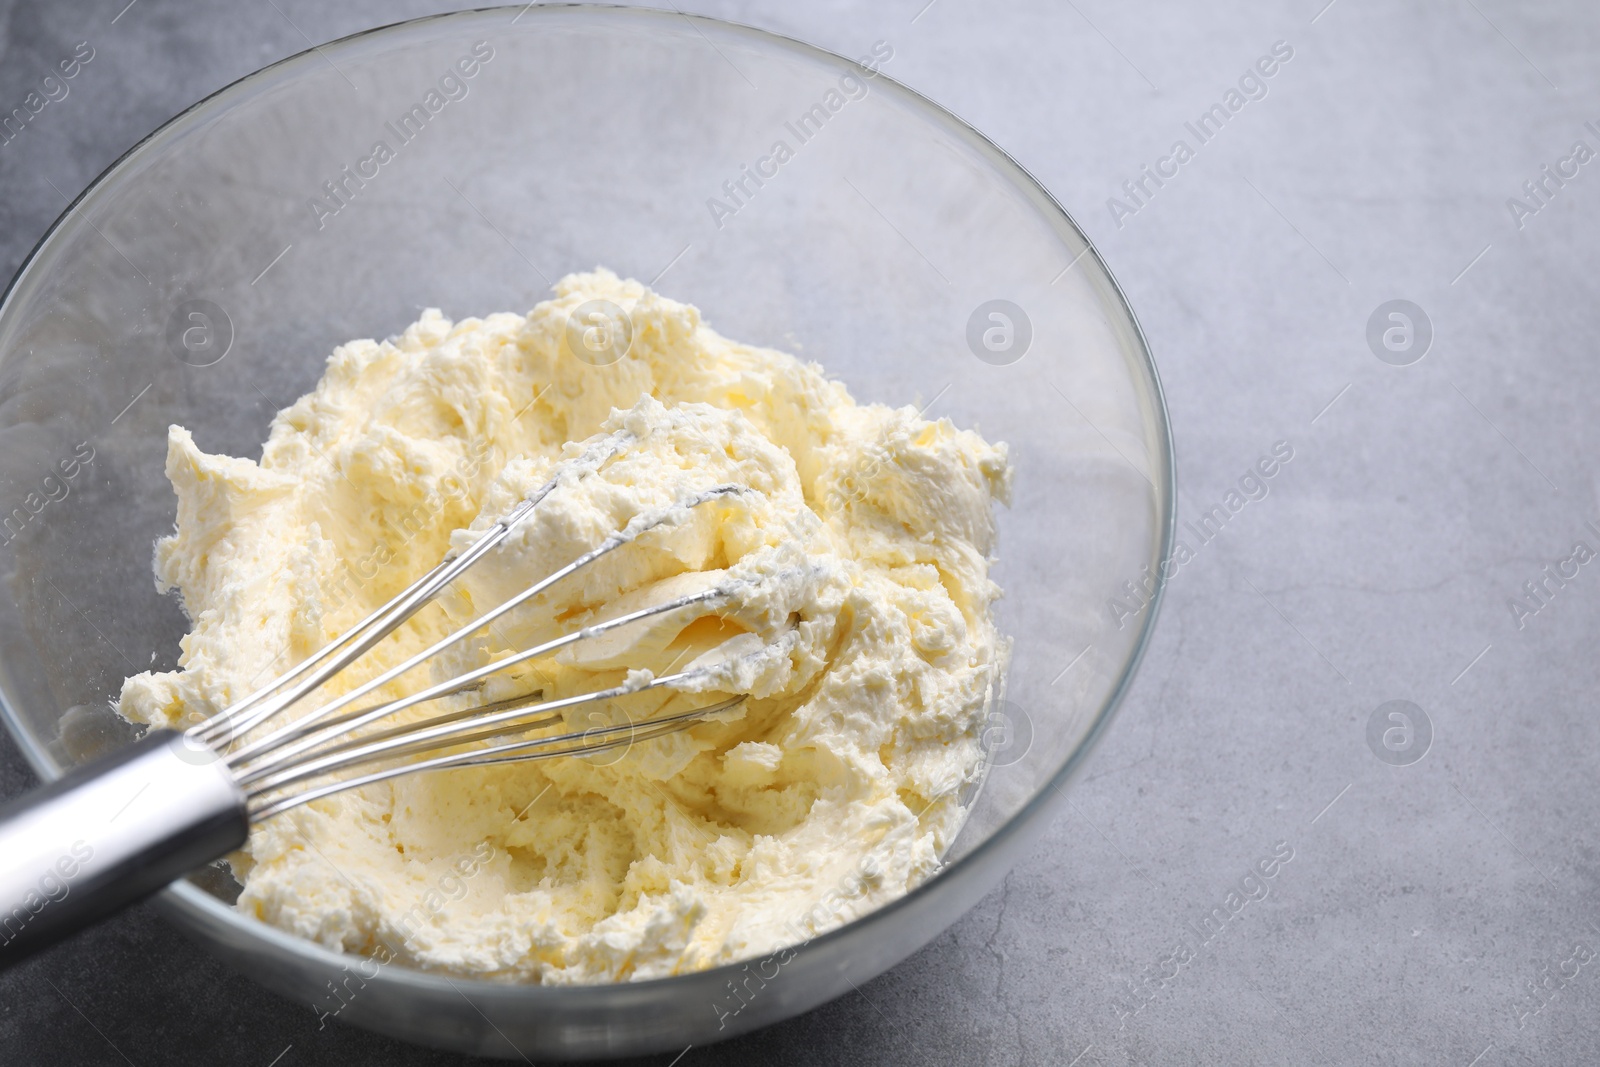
[{"x": 858, "y": 621}]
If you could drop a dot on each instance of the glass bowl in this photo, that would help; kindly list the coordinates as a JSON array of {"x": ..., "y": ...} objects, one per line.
[{"x": 204, "y": 278}]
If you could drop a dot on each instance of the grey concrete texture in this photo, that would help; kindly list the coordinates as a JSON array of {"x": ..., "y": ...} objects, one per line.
[{"x": 1438, "y": 903}]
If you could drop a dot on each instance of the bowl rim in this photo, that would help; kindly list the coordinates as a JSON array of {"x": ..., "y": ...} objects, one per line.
[{"x": 188, "y": 897}]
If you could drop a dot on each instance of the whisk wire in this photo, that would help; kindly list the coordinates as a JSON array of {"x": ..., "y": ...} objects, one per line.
[
  {"x": 240, "y": 718},
  {"x": 492, "y": 537},
  {"x": 508, "y": 753},
  {"x": 324, "y": 742},
  {"x": 265, "y": 764}
]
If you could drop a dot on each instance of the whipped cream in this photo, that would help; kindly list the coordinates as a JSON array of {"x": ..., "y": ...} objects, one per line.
[{"x": 852, "y": 610}]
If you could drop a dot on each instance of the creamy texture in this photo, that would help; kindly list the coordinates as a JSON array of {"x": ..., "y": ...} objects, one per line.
[{"x": 857, "y": 619}]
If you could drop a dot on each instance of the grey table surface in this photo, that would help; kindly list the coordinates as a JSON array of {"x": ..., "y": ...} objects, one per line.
[{"x": 1440, "y": 906}]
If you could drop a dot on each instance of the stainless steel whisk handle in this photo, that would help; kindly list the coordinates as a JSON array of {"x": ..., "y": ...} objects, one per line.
[{"x": 110, "y": 833}]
